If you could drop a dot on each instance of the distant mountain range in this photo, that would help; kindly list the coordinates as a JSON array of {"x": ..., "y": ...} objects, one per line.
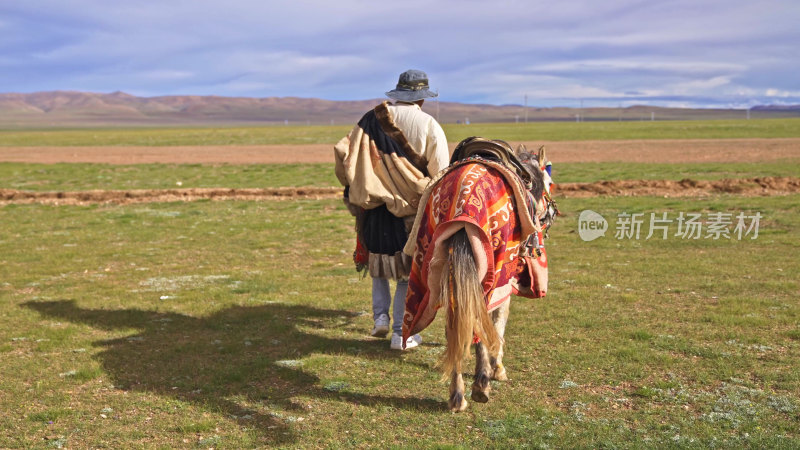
[{"x": 77, "y": 109}]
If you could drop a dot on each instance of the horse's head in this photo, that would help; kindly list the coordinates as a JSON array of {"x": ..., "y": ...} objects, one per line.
[{"x": 541, "y": 184}]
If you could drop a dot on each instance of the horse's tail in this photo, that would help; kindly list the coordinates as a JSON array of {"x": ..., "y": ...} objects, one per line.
[{"x": 462, "y": 298}]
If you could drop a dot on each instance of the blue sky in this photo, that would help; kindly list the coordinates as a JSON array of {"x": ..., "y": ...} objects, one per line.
[{"x": 691, "y": 53}]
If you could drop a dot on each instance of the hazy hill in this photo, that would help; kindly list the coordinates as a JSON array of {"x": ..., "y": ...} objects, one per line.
[{"x": 69, "y": 108}]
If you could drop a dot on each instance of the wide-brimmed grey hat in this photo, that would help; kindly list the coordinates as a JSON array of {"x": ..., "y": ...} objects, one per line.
[{"x": 412, "y": 86}]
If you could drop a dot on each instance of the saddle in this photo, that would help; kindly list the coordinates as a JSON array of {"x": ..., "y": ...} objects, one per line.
[
  {"x": 500, "y": 151},
  {"x": 494, "y": 150}
]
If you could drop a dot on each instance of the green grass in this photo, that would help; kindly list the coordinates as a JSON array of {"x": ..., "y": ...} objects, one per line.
[
  {"x": 237, "y": 324},
  {"x": 299, "y": 135},
  {"x": 75, "y": 177},
  {"x": 167, "y": 136},
  {"x": 569, "y": 131}
]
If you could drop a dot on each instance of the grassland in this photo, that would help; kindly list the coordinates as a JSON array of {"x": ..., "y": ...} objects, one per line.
[
  {"x": 197, "y": 323},
  {"x": 235, "y": 324},
  {"x": 69, "y": 177},
  {"x": 76, "y": 177},
  {"x": 299, "y": 135},
  {"x": 241, "y": 324}
]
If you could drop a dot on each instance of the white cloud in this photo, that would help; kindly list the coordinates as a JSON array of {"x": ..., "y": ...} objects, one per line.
[
  {"x": 167, "y": 75},
  {"x": 699, "y": 86},
  {"x": 354, "y": 49},
  {"x": 612, "y": 65},
  {"x": 781, "y": 93}
]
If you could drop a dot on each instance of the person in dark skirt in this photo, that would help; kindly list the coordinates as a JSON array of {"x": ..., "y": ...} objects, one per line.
[{"x": 385, "y": 162}]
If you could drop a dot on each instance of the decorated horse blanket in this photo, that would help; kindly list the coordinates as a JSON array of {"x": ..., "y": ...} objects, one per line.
[{"x": 490, "y": 201}]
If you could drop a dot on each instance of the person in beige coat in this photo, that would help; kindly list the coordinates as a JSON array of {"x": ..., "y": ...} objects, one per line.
[{"x": 385, "y": 162}]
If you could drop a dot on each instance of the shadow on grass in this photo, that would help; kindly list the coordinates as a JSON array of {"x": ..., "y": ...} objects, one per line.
[{"x": 238, "y": 356}]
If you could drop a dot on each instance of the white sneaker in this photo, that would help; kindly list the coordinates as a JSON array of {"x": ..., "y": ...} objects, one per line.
[
  {"x": 381, "y": 328},
  {"x": 397, "y": 341}
]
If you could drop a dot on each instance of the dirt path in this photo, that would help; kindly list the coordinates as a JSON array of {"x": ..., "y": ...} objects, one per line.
[
  {"x": 763, "y": 186},
  {"x": 646, "y": 151},
  {"x": 662, "y": 188},
  {"x": 162, "y": 195}
]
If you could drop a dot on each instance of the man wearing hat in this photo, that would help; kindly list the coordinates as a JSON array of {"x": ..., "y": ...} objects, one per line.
[{"x": 385, "y": 162}]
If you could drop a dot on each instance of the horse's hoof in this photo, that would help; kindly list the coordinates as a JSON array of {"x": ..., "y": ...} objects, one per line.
[
  {"x": 481, "y": 388},
  {"x": 500, "y": 374},
  {"x": 458, "y": 403},
  {"x": 479, "y": 395}
]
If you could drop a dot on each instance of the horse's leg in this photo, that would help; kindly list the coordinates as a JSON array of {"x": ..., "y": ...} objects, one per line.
[
  {"x": 465, "y": 306},
  {"x": 457, "y": 401},
  {"x": 500, "y": 318},
  {"x": 483, "y": 373}
]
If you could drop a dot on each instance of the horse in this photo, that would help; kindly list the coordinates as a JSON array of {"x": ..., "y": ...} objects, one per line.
[{"x": 478, "y": 238}]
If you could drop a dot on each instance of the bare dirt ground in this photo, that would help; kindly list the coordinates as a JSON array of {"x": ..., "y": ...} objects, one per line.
[
  {"x": 163, "y": 195},
  {"x": 685, "y": 188},
  {"x": 666, "y": 188},
  {"x": 646, "y": 151}
]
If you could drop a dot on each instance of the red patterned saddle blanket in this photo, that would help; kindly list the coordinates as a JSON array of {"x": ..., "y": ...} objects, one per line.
[{"x": 490, "y": 197}]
